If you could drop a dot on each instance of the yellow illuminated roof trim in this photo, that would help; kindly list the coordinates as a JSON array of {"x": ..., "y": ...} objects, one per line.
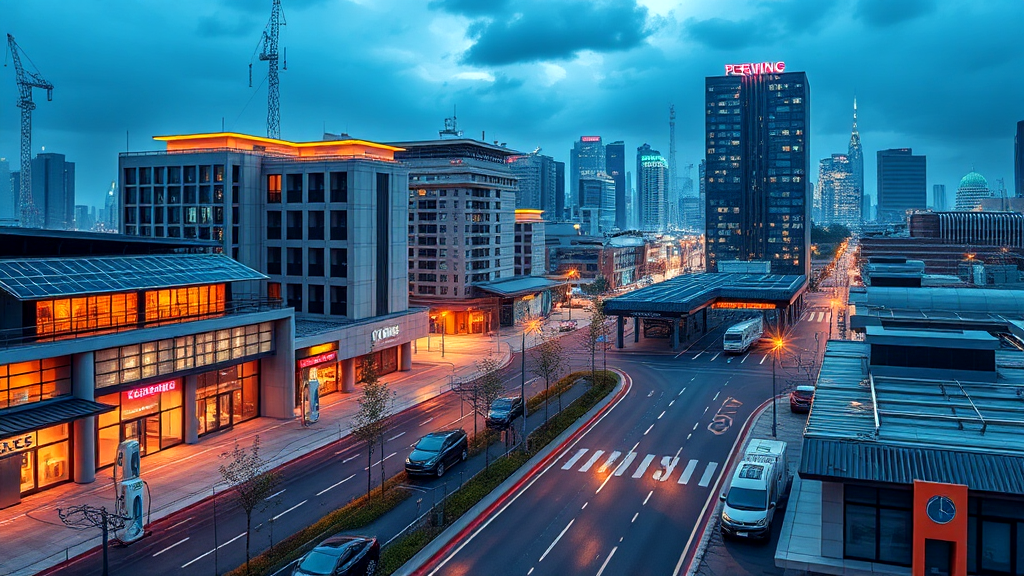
[
  {"x": 528, "y": 211},
  {"x": 318, "y": 144}
]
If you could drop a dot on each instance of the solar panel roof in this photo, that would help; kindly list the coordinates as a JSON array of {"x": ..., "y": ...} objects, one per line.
[
  {"x": 33, "y": 279},
  {"x": 688, "y": 293}
]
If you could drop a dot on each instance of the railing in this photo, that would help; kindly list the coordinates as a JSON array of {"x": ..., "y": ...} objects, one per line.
[
  {"x": 23, "y": 336},
  {"x": 264, "y": 153}
]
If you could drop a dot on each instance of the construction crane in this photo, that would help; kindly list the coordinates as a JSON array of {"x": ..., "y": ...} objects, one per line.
[
  {"x": 269, "y": 43},
  {"x": 27, "y": 80}
]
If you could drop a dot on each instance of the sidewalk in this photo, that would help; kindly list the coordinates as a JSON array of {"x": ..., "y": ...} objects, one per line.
[{"x": 35, "y": 539}]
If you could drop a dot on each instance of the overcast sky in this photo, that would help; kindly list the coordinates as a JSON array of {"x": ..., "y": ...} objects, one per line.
[{"x": 943, "y": 77}]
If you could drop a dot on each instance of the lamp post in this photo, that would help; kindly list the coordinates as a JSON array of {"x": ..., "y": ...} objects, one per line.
[
  {"x": 444, "y": 329},
  {"x": 775, "y": 358},
  {"x": 528, "y": 326},
  {"x": 573, "y": 273}
]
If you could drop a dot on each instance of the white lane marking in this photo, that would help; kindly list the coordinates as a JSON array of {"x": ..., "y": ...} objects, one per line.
[
  {"x": 634, "y": 517},
  {"x": 716, "y": 395},
  {"x": 349, "y": 459},
  {"x": 379, "y": 461},
  {"x": 715, "y": 356},
  {"x": 584, "y": 505},
  {"x": 687, "y": 472},
  {"x": 671, "y": 403},
  {"x": 697, "y": 356},
  {"x": 608, "y": 463},
  {"x": 559, "y": 537},
  {"x": 198, "y": 558},
  {"x": 763, "y": 359},
  {"x": 289, "y": 510},
  {"x": 648, "y": 429},
  {"x": 648, "y": 498},
  {"x": 573, "y": 460},
  {"x": 650, "y": 394},
  {"x": 706, "y": 409},
  {"x": 625, "y": 464},
  {"x": 745, "y": 357},
  {"x": 643, "y": 466},
  {"x": 427, "y": 421},
  {"x": 396, "y": 436},
  {"x": 669, "y": 464},
  {"x": 698, "y": 423},
  {"x": 530, "y": 571},
  {"x": 708, "y": 473},
  {"x": 320, "y": 493},
  {"x": 688, "y": 436},
  {"x": 683, "y": 390},
  {"x": 821, "y": 316},
  {"x": 169, "y": 547},
  {"x": 592, "y": 461},
  {"x": 180, "y": 523},
  {"x": 274, "y": 495},
  {"x": 660, "y": 415},
  {"x": 458, "y": 420},
  {"x": 606, "y": 560}
]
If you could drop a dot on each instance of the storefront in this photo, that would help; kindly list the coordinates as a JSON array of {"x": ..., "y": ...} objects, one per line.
[
  {"x": 44, "y": 457},
  {"x": 151, "y": 414},
  {"x": 319, "y": 365},
  {"x": 227, "y": 397},
  {"x": 386, "y": 361}
]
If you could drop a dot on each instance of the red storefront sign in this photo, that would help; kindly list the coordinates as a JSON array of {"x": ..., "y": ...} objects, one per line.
[
  {"x": 318, "y": 359},
  {"x": 144, "y": 391}
]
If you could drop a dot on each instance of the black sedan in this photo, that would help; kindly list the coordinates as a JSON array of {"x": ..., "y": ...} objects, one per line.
[
  {"x": 436, "y": 451},
  {"x": 341, "y": 556},
  {"x": 503, "y": 411}
]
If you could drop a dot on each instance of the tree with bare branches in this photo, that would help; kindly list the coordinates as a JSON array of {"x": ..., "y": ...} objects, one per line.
[
  {"x": 549, "y": 361},
  {"x": 595, "y": 337},
  {"x": 488, "y": 389},
  {"x": 86, "y": 516},
  {"x": 374, "y": 418},
  {"x": 252, "y": 481}
]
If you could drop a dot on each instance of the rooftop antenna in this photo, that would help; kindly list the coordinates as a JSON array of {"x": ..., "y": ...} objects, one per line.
[{"x": 451, "y": 126}]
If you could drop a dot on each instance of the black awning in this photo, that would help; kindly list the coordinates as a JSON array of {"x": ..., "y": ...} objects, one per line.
[{"x": 49, "y": 414}]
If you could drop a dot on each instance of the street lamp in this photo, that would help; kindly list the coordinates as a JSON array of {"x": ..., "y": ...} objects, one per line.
[
  {"x": 831, "y": 308},
  {"x": 528, "y": 326},
  {"x": 443, "y": 330},
  {"x": 777, "y": 344},
  {"x": 573, "y": 273}
]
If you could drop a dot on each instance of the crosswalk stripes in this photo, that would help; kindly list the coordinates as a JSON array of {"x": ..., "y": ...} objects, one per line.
[
  {"x": 814, "y": 316},
  {"x": 663, "y": 469}
]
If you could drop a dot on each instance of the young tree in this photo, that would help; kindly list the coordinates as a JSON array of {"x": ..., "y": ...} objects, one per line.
[
  {"x": 253, "y": 483},
  {"x": 488, "y": 389},
  {"x": 549, "y": 361},
  {"x": 595, "y": 337},
  {"x": 374, "y": 418}
]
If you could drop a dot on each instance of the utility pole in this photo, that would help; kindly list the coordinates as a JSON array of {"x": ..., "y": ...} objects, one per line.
[{"x": 27, "y": 80}]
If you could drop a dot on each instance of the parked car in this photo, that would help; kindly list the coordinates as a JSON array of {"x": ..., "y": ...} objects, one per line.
[
  {"x": 503, "y": 411},
  {"x": 436, "y": 451},
  {"x": 341, "y": 556},
  {"x": 800, "y": 399},
  {"x": 758, "y": 485},
  {"x": 566, "y": 325}
]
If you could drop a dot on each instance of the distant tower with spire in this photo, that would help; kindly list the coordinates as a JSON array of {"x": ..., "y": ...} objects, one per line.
[{"x": 856, "y": 156}]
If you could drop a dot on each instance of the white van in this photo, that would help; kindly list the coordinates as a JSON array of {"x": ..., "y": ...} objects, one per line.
[
  {"x": 739, "y": 337},
  {"x": 758, "y": 485}
]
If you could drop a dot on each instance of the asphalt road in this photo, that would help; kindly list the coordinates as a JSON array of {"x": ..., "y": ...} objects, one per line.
[
  {"x": 626, "y": 497},
  {"x": 209, "y": 538}
]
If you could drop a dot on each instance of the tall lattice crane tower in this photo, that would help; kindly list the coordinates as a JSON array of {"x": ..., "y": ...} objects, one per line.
[
  {"x": 672, "y": 190},
  {"x": 269, "y": 43},
  {"x": 27, "y": 80}
]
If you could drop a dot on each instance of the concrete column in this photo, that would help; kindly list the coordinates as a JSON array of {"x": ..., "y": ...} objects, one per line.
[
  {"x": 348, "y": 375},
  {"x": 83, "y": 430},
  {"x": 636, "y": 329},
  {"x": 619, "y": 324},
  {"x": 673, "y": 333},
  {"x": 405, "y": 357},
  {"x": 831, "y": 519},
  {"x": 277, "y": 373},
  {"x": 191, "y": 423}
]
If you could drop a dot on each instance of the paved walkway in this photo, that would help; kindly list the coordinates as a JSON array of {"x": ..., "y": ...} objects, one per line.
[{"x": 34, "y": 538}]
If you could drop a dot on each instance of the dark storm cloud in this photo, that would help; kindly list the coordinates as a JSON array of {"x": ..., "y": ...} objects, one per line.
[
  {"x": 766, "y": 22},
  {"x": 545, "y": 30},
  {"x": 470, "y": 8},
  {"x": 885, "y": 13}
]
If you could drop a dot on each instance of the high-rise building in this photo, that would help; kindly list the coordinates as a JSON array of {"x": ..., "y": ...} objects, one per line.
[
  {"x": 111, "y": 212},
  {"x": 1018, "y": 161},
  {"x": 559, "y": 214},
  {"x": 969, "y": 194},
  {"x": 587, "y": 158},
  {"x": 901, "y": 184},
  {"x": 651, "y": 182},
  {"x": 702, "y": 192},
  {"x": 84, "y": 221},
  {"x": 615, "y": 166},
  {"x": 757, "y": 126},
  {"x": 597, "y": 213},
  {"x": 866, "y": 214},
  {"x": 537, "y": 175},
  {"x": 53, "y": 191},
  {"x": 8, "y": 199},
  {"x": 841, "y": 202},
  {"x": 856, "y": 156},
  {"x": 939, "y": 197},
  {"x": 673, "y": 214}
]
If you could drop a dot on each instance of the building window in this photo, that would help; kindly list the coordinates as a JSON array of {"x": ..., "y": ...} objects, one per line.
[
  {"x": 316, "y": 225},
  {"x": 316, "y": 300},
  {"x": 274, "y": 290},
  {"x": 315, "y": 267},
  {"x": 315, "y": 182},
  {"x": 294, "y": 188},
  {"x": 339, "y": 263},
  {"x": 339, "y": 224},
  {"x": 339, "y": 187},
  {"x": 294, "y": 225},
  {"x": 154, "y": 420},
  {"x": 293, "y": 296},
  {"x": 294, "y": 262},
  {"x": 184, "y": 302},
  {"x": 226, "y": 397},
  {"x": 273, "y": 225},
  {"x": 34, "y": 381},
  {"x": 273, "y": 188},
  {"x": 339, "y": 300},
  {"x": 878, "y": 524},
  {"x": 86, "y": 313},
  {"x": 273, "y": 260},
  {"x": 47, "y": 463}
]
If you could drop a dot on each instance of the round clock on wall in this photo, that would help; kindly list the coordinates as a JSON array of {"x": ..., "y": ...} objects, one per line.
[{"x": 941, "y": 509}]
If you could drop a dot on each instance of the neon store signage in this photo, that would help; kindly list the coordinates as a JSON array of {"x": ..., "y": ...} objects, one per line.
[
  {"x": 17, "y": 444},
  {"x": 590, "y": 139},
  {"x": 318, "y": 359},
  {"x": 145, "y": 391},
  {"x": 755, "y": 68},
  {"x": 384, "y": 333}
]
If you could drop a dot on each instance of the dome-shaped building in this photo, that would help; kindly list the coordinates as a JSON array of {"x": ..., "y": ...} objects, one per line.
[{"x": 973, "y": 187}]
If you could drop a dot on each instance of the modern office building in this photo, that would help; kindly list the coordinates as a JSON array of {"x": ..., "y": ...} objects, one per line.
[
  {"x": 597, "y": 209},
  {"x": 939, "y": 197},
  {"x": 901, "y": 184},
  {"x": 536, "y": 175},
  {"x": 651, "y": 183},
  {"x": 757, "y": 126},
  {"x": 106, "y": 338},
  {"x": 1018, "y": 161},
  {"x": 530, "y": 243},
  {"x": 53, "y": 190},
  {"x": 970, "y": 228},
  {"x": 559, "y": 213},
  {"x": 587, "y": 158},
  {"x": 84, "y": 218},
  {"x": 9, "y": 215},
  {"x": 615, "y": 166},
  {"x": 841, "y": 202},
  {"x": 855, "y": 154},
  {"x": 620, "y": 260},
  {"x": 972, "y": 190},
  {"x": 325, "y": 221}
]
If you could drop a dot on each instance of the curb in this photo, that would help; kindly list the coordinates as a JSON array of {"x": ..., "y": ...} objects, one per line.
[
  {"x": 706, "y": 518},
  {"x": 428, "y": 557}
]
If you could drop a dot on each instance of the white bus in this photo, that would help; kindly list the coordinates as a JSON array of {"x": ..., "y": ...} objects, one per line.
[{"x": 739, "y": 337}]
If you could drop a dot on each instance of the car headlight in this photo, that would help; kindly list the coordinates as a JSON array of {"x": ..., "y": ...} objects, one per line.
[
  {"x": 763, "y": 521},
  {"x": 725, "y": 518}
]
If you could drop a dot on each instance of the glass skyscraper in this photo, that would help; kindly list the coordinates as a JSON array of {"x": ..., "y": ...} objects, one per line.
[
  {"x": 756, "y": 134},
  {"x": 901, "y": 184}
]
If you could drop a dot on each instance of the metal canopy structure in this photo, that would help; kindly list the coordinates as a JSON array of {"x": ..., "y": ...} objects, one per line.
[
  {"x": 32, "y": 279},
  {"x": 874, "y": 428},
  {"x": 685, "y": 295},
  {"x": 44, "y": 414},
  {"x": 517, "y": 286}
]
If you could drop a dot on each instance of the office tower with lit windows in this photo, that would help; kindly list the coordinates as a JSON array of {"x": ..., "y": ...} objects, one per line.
[
  {"x": 939, "y": 197},
  {"x": 901, "y": 184},
  {"x": 651, "y": 188},
  {"x": 615, "y": 166},
  {"x": 537, "y": 175},
  {"x": 587, "y": 158},
  {"x": 757, "y": 193},
  {"x": 855, "y": 155},
  {"x": 841, "y": 201}
]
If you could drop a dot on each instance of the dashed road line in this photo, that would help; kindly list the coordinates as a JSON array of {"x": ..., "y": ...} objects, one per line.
[
  {"x": 171, "y": 546},
  {"x": 288, "y": 510},
  {"x": 559, "y": 537},
  {"x": 320, "y": 493},
  {"x": 607, "y": 560}
]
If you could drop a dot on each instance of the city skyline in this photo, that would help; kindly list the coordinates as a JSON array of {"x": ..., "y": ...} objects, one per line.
[{"x": 507, "y": 83}]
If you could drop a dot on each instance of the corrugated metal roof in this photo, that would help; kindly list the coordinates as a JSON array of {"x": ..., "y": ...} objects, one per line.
[
  {"x": 517, "y": 286},
  {"x": 691, "y": 292},
  {"x": 933, "y": 300},
  {"x": 46, "y": 414}
]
